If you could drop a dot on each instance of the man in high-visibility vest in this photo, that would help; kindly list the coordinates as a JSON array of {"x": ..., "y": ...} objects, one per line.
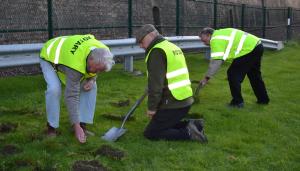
[
  {"x": 74, "y": 61},
  {"x": 169, "y": 90},
  {"x": 245, "y": 52}
]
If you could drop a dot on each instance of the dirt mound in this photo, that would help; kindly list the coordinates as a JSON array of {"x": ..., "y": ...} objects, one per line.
[
  {"x": 7, "y": 127},
  {"x": 121, "y": 103},
  {"x": 92, "y": 165},
  {"x": 21, "y": 111},
  {"x": 110, "y": 152},
  {"x": 10, "y": 149}
]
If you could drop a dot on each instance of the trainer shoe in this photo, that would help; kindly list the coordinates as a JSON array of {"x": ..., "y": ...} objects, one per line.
[
  {"x": 194, "y": 132},
  {"x": 199, "y": 124},
  {"x": 51, "y": 132}
]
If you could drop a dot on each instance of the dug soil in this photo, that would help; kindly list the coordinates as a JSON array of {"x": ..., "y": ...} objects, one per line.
[{"x": 110, "y": 152}]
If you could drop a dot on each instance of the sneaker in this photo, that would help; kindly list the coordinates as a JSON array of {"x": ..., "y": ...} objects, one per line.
[
  {"x": 236, "y": 105},
  {"x": 195, "y": 133},
  {"x": 199, "y": 124},
  {"x": 51, "y": 132}
]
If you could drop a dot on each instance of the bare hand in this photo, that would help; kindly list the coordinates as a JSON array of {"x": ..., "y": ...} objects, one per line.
[
  {"x": 79, "y": 133},
  {"x": 203, "y": 81},
  {"x": 88, "y": 85},
  {"x": 150, "y": 113}
]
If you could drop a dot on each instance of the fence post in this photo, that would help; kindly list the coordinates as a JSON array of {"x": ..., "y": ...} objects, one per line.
[
  {"x": 288, "y": 29},
  {"x": 264, "y": 9},
  {"x": 243, "y": 17},
  {"x": 177, "y": 17},
  {"x": 129, "y": 18},
  {"x": 50, "y": 22},
  {"x": 215, "y": 13}
]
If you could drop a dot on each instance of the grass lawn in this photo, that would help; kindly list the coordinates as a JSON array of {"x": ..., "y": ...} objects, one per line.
[{"x": 253, "y": 138}]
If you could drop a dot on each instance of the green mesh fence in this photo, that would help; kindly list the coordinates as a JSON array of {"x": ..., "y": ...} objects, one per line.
[
  {"x": 295, "y": 24},
  {"x": 26, "y": 21}
]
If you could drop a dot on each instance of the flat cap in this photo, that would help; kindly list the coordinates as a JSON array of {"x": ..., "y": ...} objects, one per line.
[{"x": 143, "y": 31}]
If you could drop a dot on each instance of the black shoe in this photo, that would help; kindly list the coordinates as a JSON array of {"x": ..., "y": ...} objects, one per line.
[
  {"x": 51, "y": 131},
  {"x": 194, "y": 132},
  {"x": 199, "y": 124},
  {"x": 236, "y": 105}
]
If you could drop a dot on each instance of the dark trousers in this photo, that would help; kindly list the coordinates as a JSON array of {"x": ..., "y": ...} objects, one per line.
[
  {"x": 250, "y": 65},
  {"x": 166, "y": 124}
]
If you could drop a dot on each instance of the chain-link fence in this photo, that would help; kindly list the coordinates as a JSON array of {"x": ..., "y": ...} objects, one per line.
[{"x": 26, "y": 21}]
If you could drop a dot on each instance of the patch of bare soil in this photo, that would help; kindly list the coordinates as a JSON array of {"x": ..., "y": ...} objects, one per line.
[
  {"x": 8, "y": 127},
  {"x": 20, "y": 111},
  {"x": 121, "y": 103},
  {"x": 10, "y": 149},
  {"x": 23, "y": 163},
  {"x": 110, "y": 152},
  {"x": 92, "y": 165}
]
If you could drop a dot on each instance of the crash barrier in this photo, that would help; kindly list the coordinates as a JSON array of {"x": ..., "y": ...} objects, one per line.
[{"x": 15, "y": 55}]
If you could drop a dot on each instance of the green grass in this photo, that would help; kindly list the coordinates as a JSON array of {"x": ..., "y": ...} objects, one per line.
[{"x": 253, "y": 138}]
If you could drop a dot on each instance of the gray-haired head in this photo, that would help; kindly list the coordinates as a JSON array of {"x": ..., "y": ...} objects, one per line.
[
  {"x": 205, "y": 35},
  {"x": 207, "y": 31},
  {"x": 102, "y": 56}
]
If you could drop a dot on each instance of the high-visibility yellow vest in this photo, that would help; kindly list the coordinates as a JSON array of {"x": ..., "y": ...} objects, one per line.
[
  {"x": 71, "y": 51},
  {"x": 229, "y": 43},
  {"x": 177, "y": 72}
]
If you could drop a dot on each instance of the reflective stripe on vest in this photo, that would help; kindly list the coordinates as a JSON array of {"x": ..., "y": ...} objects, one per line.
[
  {"x": 231, "y": 43},
  {"x": 57, "y": 52},
  {"x": 177, "y": 73}
]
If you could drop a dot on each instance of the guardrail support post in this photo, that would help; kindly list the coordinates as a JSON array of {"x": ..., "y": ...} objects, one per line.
[
  {"x": 207, "y": 54},
  {"x": 128, "y": 63}
]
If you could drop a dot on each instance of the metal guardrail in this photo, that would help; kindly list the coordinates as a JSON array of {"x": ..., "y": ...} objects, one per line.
[{"x": 27, "y": 54}]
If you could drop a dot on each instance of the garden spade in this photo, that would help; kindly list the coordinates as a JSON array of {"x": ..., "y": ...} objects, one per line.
[{"x": 114, "y": 133}]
